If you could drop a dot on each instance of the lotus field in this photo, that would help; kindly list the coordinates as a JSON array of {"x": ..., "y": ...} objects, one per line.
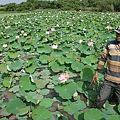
[{"x": 47, "y": 60}]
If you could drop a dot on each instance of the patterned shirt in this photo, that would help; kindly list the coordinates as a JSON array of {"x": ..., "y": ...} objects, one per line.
[{"x": 111, "y": 56}]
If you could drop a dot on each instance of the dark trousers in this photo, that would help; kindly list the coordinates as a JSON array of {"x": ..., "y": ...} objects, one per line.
[{"x": 105, "y": 92}]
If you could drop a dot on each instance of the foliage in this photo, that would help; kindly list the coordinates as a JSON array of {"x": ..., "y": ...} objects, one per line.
[
  {"x": 87, "y": 5},
  {"x": 36, "y": 49}
]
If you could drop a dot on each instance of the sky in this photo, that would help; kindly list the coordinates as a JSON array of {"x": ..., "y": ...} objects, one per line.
[{"x": 3, "y": 2}]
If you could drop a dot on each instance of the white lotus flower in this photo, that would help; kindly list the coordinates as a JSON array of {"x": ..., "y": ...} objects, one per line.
[
  {"x": 5, "y": 45},
  {"x": 17, "y": 37},
  {"x": 54, "y": 46}
]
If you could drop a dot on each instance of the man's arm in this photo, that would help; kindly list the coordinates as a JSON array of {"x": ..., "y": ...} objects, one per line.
[{"x": 101, "y": 63}]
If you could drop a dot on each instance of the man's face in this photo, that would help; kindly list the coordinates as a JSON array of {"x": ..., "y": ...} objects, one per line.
[{"x": 118, "y": 37}]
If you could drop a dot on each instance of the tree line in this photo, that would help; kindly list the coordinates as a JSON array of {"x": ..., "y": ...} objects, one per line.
[{"x": 89, "y": 5}]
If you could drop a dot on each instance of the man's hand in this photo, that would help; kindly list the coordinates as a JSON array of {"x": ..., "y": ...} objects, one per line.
[{"x": 95, "y": 77}]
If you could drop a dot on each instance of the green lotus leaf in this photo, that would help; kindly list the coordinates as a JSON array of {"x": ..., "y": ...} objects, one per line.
[
  {"x": 31, "y": 69},
  {"x": 23, "y": 111},
  {"x": 61, "y": 59},
  {"x": 88, "y": 73},
  {"x": 109, "y": 109},
  {"x": 7, "y": 82},
  {"x": 16, "y": 45},
  {"x": 16, "y": 65},
  {"x": 45, "y": 72},
  {"x": 77, "y": 66},
  {"x": 40, "y": 83},
  {"x": 56, "y": 67},
  {"x": 44, "y": 59},
  {"x": 30, "y": 61},
  {"x": 79, "y": 87},
  {"x": 22, "y": 39},
  {"x": 119, "y": 107},
  {"x": 27, "y": 46},
  {"x": 4, "y": 118},
  {"x": 72, "y": 55},
  {"x": 114, "y": 117},
  {"x": 13, "y": 54},
  {"x": 56, "y": 53},
  {"x": 41, "y": 113},
  {"x": 44, "y": 49},
  {"x": 66, "y": 91},
  {"x": 89, "y": 59},
  {"x": 12, "y": 39},
  {"x": 66, "y": 50},
  {"x": 79, "y": 116},
  {"x": 44, "y": 91},
  {"x": 73, "y": 107},
  {"x": 46, "y": 102},
  {"x": 29, "y": 96},
  {"x": 93, "y": 114},
  {"x": 3, "y": 68},
  {"x": 26, "y": 84},
  {"x": 14, "y": 89},
  {"x": 15, "y": 105}
]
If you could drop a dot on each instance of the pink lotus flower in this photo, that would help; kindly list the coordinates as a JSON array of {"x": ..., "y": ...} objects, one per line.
[
  {"x": 7, "y": 27},
  {"x": 90, "y": 43},
  {"x": 52, "y": 29},
  {"x": 54, "y": 46},
  {"x": 63, "y": 77},
  {"x": 109, "y": 27},
  {"x": 80, "y": 41}
]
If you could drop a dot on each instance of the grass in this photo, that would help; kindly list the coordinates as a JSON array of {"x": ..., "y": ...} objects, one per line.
[{"x": 4, "y": 14}]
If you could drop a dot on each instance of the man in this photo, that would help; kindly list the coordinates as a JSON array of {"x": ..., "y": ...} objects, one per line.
[{"x": 111, "y": 56}]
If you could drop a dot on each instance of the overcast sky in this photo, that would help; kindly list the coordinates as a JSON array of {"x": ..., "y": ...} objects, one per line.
[{"x": 3, "y": 2}]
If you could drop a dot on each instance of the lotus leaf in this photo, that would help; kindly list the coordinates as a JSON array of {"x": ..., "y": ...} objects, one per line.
[
  {"x": 41, "y": 113},
  {"x": 16, "y": 65},
  {"x": 44, "y": 91},
  {"x": 88, "y": 73},
  {"x": 66, "y": 91},
  {"x": 27, "y": 47},
  {"x": 114, "y": 117},
  {"x": 77, "y": 66},
  {"x": 93, "y": 114},
  {"x": 26, "y": 84},
  {"x": 40, "y": 83},
  {"x": 15, "y": 105},
  {"x": 74, "y": 107},
  {"x": 16, "y": 45},
  {"x": 23, "y": 111},
  {"x": 46, "y": 102},
  {"x": 29, "y": 96},
  {"x": 7, "y": 82},
  {"x": 3, "y": 68},
  {"x": 13, "y": 54},
  {"x": 55, "y": 66},
  {"x": 44, "y": 59},
  {"x": 14, "y": 89},
  {"x": 30, "y": 69},
  {"x": 4, "y": 118},
  {"x": 44, "y": 49}
]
